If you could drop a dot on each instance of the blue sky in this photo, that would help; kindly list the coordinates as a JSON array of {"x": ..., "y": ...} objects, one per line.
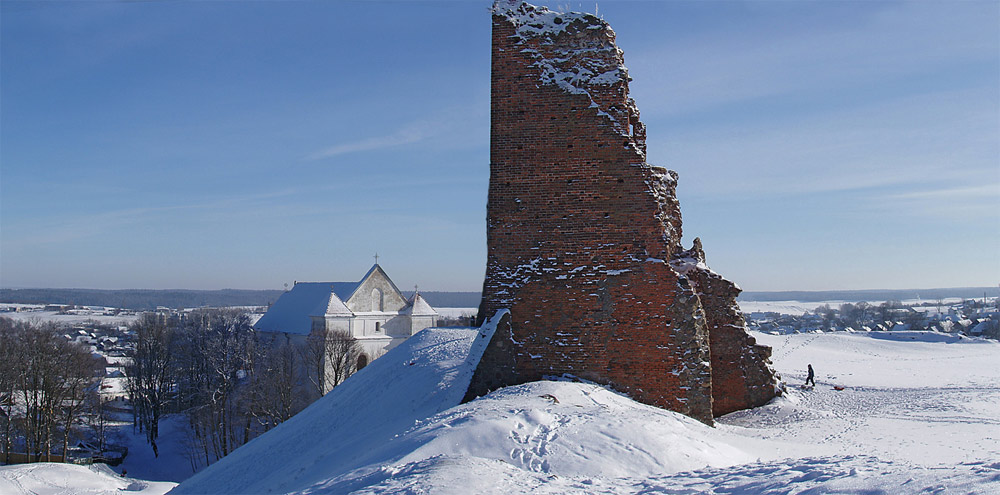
[{"x": 205, "y": 145}]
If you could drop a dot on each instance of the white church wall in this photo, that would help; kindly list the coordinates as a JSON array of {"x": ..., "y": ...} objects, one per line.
[
  {"x": 375, "y": 347},
  {"x": 339, "y": 323},
  {"x": 419, "y": 323},
  {"x": 362, "y": 299},
  {"x": 398, "y": 326}
]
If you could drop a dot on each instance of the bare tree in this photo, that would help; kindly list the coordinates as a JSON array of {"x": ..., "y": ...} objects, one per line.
[
  {"x": 276, "y": 394},
  {"x": 10, "y": 371},
  {"x": 314, "y": 361},
  {"x": 334, "y": 355},
  {"x": 150, "y": 374},
  {"x": 220, "y": 354},
  {"x": 97, "y": 419},
  {"x": 40, "y": 388},
  {"x": 82, "y": 376},
  {"x": 52, "y": 377}
]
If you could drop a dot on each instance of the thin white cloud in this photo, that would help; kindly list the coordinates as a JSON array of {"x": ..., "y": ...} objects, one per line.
[
  {"x": 455, "y": 126},
  {"x": 988, "y": 191},
  {"x": 688, "y": 76},
  {"x": 407, "y": 135},
  {"x": 68, "y": 228},
  {"x": 908, "y": 143}
]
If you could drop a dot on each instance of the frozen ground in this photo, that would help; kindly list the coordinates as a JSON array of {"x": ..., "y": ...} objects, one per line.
[{"x": 919, "y": 413}]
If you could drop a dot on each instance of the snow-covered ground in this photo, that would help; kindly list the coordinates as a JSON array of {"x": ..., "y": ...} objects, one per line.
[
  {"x": 47, "y": 478},
  {"x": 171, "y": 465},
  {"x": 74, "y": 317},
  {"x": 797, "y": 308},
  {"x": 919, "y": 412}
]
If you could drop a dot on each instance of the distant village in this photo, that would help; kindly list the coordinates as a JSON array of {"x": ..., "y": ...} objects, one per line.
[{"x": 969, "y": 317}]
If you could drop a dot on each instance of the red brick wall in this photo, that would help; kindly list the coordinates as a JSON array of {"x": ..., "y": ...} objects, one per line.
[
  {"x": 581, "y": 230},
  {"x": 577, "y": 242},
  {"x": 741, "y": 377}
]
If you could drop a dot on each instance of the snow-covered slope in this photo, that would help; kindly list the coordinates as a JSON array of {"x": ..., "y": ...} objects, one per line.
[{"x": 359, "y": 423}]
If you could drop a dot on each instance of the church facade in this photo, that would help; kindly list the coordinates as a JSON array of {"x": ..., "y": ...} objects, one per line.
[{"x": 373, "y": 311}]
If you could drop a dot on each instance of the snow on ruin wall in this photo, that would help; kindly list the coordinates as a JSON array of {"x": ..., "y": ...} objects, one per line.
[{"x": 582, "y": 233}]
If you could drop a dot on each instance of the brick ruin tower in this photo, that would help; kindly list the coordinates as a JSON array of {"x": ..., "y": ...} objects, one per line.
[{"x": 584, "y": 236}]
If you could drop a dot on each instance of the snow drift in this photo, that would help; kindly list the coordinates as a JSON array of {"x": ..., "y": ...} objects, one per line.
[{"x": 50, "y": 478}]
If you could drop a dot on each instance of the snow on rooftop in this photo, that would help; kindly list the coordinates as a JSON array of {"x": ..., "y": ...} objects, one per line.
[
  {"x": 419, "y": 307},
  {"x": 291, "y": 312},
  {"x": 336, "y": 306}
]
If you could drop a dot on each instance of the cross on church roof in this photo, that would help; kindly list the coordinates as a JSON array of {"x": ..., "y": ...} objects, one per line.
[{"x": 376, "y": 258}]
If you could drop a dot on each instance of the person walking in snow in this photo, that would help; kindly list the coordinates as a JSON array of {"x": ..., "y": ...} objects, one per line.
[{"x": 810, "y": 379}]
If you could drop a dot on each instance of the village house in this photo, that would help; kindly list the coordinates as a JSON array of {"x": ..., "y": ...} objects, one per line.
[{"x": 372, "y": 311}]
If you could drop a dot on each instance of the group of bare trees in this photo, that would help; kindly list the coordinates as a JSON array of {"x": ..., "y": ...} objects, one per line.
[
  {"x": 230, "y": 384},
  {"x": 47, "y": 385}
]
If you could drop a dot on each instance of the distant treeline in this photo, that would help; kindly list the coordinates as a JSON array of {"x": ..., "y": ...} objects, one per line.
[
  {"x": 449, "y": 299},
  {"x": 872, "y": 295},
  {"x": 141, "y": 299}
]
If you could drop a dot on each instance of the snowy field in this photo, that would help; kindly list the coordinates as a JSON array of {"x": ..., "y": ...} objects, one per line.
[
  {"x": 797, "y": 308},
  {"x": 919, "y": 413},
  {"x": 75, "y": 317}
]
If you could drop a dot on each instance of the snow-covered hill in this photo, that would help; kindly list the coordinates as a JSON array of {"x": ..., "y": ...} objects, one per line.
[{"x": 919, "y": 412}]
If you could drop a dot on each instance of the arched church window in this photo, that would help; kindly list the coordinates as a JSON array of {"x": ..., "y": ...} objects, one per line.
[
  {"x": 378, "y": 326},
  {"x": 376, "y": 300},
  {"x": 362, "y": 360}
]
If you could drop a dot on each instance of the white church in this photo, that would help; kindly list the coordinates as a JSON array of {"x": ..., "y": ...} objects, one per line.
[{"x": 371, "y": 310}]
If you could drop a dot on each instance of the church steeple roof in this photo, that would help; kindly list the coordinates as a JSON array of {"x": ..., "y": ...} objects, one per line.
[
  {"x": 336, "y": 307},
  {"x": 419, "y": 307}
]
